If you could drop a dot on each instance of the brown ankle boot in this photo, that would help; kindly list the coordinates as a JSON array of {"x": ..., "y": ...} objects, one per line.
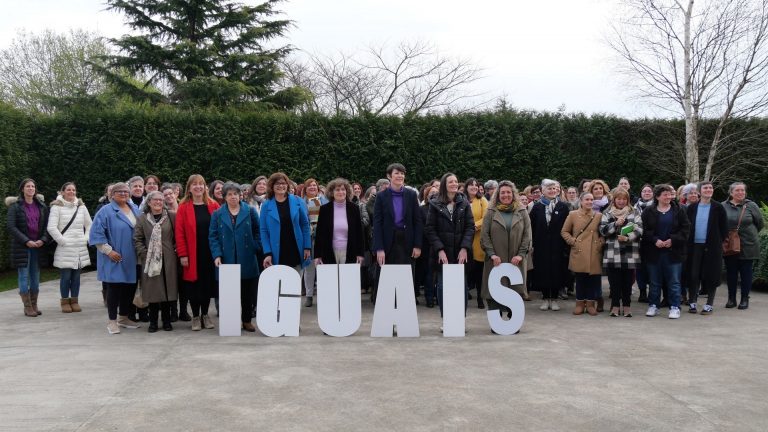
[
  {"x": 33, "y": 301},
  {"x": 591, "y": 307},
  {"x": 74, "y": 305},
  {"x": 28, "y": 311},
  {"x": 65, "y": 307},
  {"x": 580, "y": 305}
]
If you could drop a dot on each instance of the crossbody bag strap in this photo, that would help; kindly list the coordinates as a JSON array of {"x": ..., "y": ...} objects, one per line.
[
  {"x": 77, "y": 209},
  {"x": 741, "y": 216}
]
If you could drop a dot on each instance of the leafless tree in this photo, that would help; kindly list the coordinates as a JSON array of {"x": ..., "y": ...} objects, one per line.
[
  {"x": 700, "y": 60},
  {"x": 410, "y": 78},
  {"x": 37, "y": 69}
]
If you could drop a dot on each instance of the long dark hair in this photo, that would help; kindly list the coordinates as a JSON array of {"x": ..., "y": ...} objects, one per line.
[
  {"x": 442, "y": 193},
  {"x": 468, "y": 182}
]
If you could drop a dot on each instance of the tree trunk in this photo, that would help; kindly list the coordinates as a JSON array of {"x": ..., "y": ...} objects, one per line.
[{"x": 691, "y": 114}]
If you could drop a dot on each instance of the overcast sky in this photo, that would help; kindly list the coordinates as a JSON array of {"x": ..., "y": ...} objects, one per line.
[{"x": 538, "y": 54}]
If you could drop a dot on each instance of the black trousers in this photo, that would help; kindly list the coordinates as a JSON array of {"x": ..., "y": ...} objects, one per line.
[
  {"x": 620, "y": 281},
  {"x": 120, "y": 295},
  {"x": 165, "y": 311},
  {"x": 247, "y": 299},
  {"x": 696, "y": 276}
]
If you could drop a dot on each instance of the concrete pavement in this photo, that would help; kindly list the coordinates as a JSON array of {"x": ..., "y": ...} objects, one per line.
[{"x": 63, "y": 372}]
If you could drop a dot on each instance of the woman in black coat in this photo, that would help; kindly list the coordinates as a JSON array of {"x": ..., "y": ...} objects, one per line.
[
  {"x": 450, "y": 229},
  {"x": 339, "y": 238},
  {"x": 550, "y": 252},
  {"x": 705, "y": 247},
  {"x": 27, "y": 224}
]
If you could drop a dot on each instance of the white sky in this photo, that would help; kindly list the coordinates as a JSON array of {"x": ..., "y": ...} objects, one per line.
[{"x": 538, "y": 54}]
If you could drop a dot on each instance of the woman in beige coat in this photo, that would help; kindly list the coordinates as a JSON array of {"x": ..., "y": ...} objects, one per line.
[
  {"x": 505, "y": 236},
  {"x": 153, "y": 238},
  {"x": 581, "y": 232}
]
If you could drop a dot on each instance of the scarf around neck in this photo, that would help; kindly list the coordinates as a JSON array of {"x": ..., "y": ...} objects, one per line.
[
  {"x": 599, "y": 203},
  {"x": 154, "y": 264}
]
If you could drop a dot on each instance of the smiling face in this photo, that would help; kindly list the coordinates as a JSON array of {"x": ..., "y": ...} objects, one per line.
[
  {"x": 151, "y": 185},
  {"x": 356, "y": 190},
  {"x": 738, "y": 193},
  {"x": 340, "y": 193},
  {"x": 586, "y": 201},
  {"x": 666, "y": 197},
  {"x": 311, "y": 190},
  {"x": 624, "y": 183},
  {"x": 620, "y": 202},
  {"x": 156, "y": 204},
  {"x": 523, "y": 200},
  {"x": 550, "y": 192},
  {"x": 472, "y": 189},
  {"x": 69, "y": 193},
  {"x": 261, "y": 187},
  {"x": 506, "y": 195},
  {"x": 217, "y": 191},
  {"x": 29, "y": 189},
  {"x": 169, "y": 197},
  {"x": 452, "y": 184},
  {"x": 572, "y": 194},
  {"x": 397, "y": 179},
  {"x": 137, "y": 188},
  {"x": 647, "y": 193},
  {"x": 120, "y": 195},
  {"x": 707, "y": 191},
  {"x": 597, "y": 191},
  {"x": 197, "y": 189}
]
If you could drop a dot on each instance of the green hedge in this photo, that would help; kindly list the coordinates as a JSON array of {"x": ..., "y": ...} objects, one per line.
[{"x": 94, "y": 148}]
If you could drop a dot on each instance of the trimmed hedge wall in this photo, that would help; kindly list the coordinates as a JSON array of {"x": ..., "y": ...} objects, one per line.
[{"x": 94, "y": 148}]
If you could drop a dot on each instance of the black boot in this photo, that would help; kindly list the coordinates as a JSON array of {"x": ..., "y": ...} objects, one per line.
[
  {"x": 643, "y": 296},
  {"x": 183, "y": 314},
  {"x": 174, "y": 312},
  {"x": 151, "y": 316},
  {"x": 166, "y": 312},
  {"x": 731, "y": 301},
  {"x": 144, "y": 315},
  {"x": 744, "y": 303}
]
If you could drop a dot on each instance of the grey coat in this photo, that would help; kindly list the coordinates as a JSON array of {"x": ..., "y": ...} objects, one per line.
[
  {"x": 751, "y": 225},
  {"x": 163, "y": 287}
]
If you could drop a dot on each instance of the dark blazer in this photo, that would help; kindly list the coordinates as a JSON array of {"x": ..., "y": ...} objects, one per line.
[
  {"x": 717, "y": 231},
  {"x": 324, "y": 234},
  {"x": 550, "y": 252},
  {"x": 681, "y": 227},
  {"x": 384, "y": 220}
]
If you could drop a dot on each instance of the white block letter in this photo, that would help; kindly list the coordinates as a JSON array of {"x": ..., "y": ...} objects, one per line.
[
  {"x": 338, "y": 299},
  {"x": 506, "y": 297},
  {"x": 229, "y": 300},
  {"x": 279, "y": 306},
  {"x": 453, "y": 300},
  {"x": 395, "y": 303}
]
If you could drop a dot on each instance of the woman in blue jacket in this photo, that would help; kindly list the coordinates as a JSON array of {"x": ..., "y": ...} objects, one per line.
[
  {"x": 284, "y": 226},
  {"x": 112, "y": 234},
  {"x": 234, "y": 239}
]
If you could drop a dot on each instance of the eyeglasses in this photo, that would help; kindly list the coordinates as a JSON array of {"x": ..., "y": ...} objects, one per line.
[
  {"x": 121, "y": 192},
  {"x": 281, "y": 184}
]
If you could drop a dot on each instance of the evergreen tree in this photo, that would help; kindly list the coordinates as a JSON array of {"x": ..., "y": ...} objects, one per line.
[{"x": 201, "y": 52}]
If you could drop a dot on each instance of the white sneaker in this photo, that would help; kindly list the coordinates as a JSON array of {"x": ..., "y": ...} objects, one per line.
[
  {"x": 674, "y": 312},
  {"x": 544, "y": 305},
  {"x": 554, "y": 305},
  {"x": 112, "y": 327},
  {"x": 652, "y": 311}
]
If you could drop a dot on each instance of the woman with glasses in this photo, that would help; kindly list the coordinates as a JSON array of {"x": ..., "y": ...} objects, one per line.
[
  {"x": 112, "y": 234},
  {"x": 284, "y": 225}
]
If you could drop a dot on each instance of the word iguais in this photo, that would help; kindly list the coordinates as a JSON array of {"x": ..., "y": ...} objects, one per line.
[{"x": 339, "y": 307}]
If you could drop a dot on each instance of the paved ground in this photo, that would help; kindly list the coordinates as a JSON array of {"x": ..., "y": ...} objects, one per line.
[{"x": 65, "y": 373}]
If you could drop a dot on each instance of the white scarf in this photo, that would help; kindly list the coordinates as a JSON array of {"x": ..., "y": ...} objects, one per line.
[{"x": 154, "y": 264}]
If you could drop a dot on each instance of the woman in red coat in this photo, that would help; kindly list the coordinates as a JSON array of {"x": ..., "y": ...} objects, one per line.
[{"x": 192, "y": 222}]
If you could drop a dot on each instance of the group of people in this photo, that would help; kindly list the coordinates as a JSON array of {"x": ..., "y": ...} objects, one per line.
[{"x": 158, "y": 249}]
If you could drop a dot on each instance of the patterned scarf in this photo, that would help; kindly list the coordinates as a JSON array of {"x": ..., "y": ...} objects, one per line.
[
  {"x": 599, "y": 203},
  {"x": 505, "y": 208},
  {"x": 549, "y": 207},
  {"x": 154, "y": 264},
  {"x": 617, "y": 213}
]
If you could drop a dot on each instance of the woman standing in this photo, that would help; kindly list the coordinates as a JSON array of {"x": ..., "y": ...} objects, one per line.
[
  {"x": 155, "y": 246},
  {"x": 284, "y": 226},
  {"x": 339, "y": 238},
  {"x": 505, "y": 236},
  {"x": 26, "y": 222},
  {"x": 745, "y": 217},
  {"x": 599, "y": 189},
  {"x": 214, "y": 189},
  {"x": 313, "y": 200},
  {"x": 580, "y": 232},
  {"x": 112, "y": 234},
  {"x": 645, "y": 201},
  {"x": 234, "y": 239},
  {"x": 622, "y": 227},
  {"x": 69, "y": 224},
  {"x": 549, "y": 250},
  {"x": 663, "y": 248},
  {"x": 192, "y": 224},
  {"x": 424, "y": 266},
  {"x": 709, "y": 227},
  {"x": 258, "y": 193},
  {"x": 479, "y": 208},
  {"x": 450, "y": 228}
]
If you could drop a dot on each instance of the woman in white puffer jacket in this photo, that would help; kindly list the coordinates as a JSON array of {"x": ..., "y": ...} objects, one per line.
[{"x": 72, "y": 243}]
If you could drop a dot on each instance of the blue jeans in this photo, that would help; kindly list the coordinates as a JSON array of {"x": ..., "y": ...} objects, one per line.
[
  {"x": 735, "y": 267},
  {"x": 29, "y": 276},
  {"x": 664, "y": 270},
  {"x": 69, "y": 283}
]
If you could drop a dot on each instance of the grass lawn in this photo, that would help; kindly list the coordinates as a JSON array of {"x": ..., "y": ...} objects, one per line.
[{"x": 9, "y": 280}]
